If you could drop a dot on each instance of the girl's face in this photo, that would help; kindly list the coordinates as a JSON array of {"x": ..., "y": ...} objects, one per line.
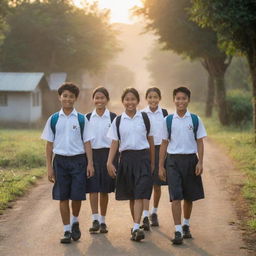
[
  {"x": 100, "y": 100},
  {"x": 153, "y": 100},
  {"x": 181, "y": 101},
  {"x": 130, "y": 102}
]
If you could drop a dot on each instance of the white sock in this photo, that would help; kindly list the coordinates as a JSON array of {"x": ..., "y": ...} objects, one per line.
[
  {"x": 154, "y": 210},
  {"x": 95, "y": 216},
  {"x": 67, "y": 228},
  {"x": 178, "y": 228},
  {"x": 102, "y": 219},
  {"x": 74, "y": 219},
  {"x": 135, "y": 226},
  {"x": 145, "y": 213},
  {"x": 186, "y": 222}
]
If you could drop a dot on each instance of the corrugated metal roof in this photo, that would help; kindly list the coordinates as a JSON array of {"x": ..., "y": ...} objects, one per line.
[
  {"x": 21, "y": 82},
  {"x": 55, "y": 80}
]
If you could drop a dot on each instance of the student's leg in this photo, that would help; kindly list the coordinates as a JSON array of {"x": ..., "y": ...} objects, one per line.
[
  {"x": 187, "y": 209},
  {"x": 76, "y": 206},
  {"x": 146, "y": 224},
  {"x": 157, "y": 195},
  {"x": 65, "y": 212},
  {"x": 132, "y": 208},
  {"x": 94, "y": 203},
  {"x": 176, "y": 212},
  {"x": 103, "y": 206},
  {"x": 138, "y": 208}
]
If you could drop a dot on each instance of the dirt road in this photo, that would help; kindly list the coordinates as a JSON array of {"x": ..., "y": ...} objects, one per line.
[{"x": 33, "y": 227}]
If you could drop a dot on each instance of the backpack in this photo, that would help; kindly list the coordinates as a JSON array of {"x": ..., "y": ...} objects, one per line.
[
  {"x": 145, "y": 119},
  {"x": 195, "y": 122},
  {"x": 112, "y": 116},
  {"x": 165, "y": 113},
  {"x": 55, "y": 118}
]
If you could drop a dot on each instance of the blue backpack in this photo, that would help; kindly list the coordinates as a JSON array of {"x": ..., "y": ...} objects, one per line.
[
  {"x": 195, "y": 122},
  {"x": 81, "y": 121}
]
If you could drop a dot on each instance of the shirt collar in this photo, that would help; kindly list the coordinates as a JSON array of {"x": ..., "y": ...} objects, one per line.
[
  {"x": 175, "y": 115},
  {"x": 125, "y": 116},
  {"x": 105, "y": 114},
  {"x": 74, "y": 112},
  {"x": 147, "y": 110}
]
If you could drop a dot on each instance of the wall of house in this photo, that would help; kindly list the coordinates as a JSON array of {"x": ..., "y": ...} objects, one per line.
[{"x": 35, "y": 111}]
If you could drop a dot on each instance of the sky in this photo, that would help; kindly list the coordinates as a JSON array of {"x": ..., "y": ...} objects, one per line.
[{"x": 119, "y": 9}]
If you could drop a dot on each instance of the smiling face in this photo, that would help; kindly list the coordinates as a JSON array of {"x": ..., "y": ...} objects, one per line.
[
  {"x": 181, "y": 101},
  {"x": 67, "y": 100},
  {"x": 100, "y": 100},
  {"x": 153, "y": 100},
  {"x": 130, "y": 102}
]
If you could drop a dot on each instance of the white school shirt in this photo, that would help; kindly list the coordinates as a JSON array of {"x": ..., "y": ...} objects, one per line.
[
  {"x": 182, "y": 134},
  {"x": 98, "y": 128},
  {"x": 133, "y": 132},
  {"x": 67, "y": 141},
  {"x": 156, "y": 121}
]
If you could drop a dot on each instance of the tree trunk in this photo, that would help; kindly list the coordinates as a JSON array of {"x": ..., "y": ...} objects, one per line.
[{"x": 210, "y": 96}]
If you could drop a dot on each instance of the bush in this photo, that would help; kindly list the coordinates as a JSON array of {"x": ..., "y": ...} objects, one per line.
[{"x": 239, "y": 106}]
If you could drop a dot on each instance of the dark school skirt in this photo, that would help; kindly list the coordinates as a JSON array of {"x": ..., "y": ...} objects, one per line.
[
  {"x": 182, "y": 180},
  {"x": 101, "y": 181},
  {"x": 70, "y": 177},
  {"x": 134, "y": 179},
  {"x": 156, "y": 179}
]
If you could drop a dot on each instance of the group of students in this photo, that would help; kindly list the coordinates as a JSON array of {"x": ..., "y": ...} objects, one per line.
[{"x": 132, "y": 155}]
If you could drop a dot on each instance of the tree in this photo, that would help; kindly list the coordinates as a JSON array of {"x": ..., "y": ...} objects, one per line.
[
  {"x": 54, "y": 35},
  {"x": 235, "y": 23},
  {"x": 170, "y": 20}
]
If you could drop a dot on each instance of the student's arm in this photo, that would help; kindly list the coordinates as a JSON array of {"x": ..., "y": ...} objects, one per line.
[
  {"x": 49, "y": 148},
  {"x": 152, "y": 152},
  {"x": 162, "y": 156},
  {"x": 200, "y": 148},
  {"x": 112, "y": 152},
  {"x": 88, "y": 150}
]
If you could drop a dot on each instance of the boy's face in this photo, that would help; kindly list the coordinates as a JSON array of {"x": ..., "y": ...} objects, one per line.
[
  {"x": 67, "y": 99},
  {"x": 181, "y": 101}
]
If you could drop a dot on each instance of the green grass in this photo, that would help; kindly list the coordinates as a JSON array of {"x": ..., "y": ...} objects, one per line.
[
  {"x": 22, "y": 162},
  {"x": 241, "y": 147}
]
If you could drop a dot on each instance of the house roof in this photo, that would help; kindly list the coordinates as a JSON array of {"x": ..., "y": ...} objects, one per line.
[
  {"x": 55, "y": 80},
  {"x": 21, "y": 82}
]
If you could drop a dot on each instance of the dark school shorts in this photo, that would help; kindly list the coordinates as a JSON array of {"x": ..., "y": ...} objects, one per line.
[
  {"x": 182, "y": 180},
  {"x": 101, "y": 181},
  {"x": 134, "y": 179},
  {"x": 70, "y": 175}
]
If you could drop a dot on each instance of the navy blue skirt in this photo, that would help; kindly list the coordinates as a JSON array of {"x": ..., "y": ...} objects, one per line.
[
  {"x": 134, "y": 179},
  {"x": 101, "y": 181}
]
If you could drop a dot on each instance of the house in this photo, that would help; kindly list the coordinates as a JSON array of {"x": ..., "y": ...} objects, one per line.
[{"x": 21, "y": 97}]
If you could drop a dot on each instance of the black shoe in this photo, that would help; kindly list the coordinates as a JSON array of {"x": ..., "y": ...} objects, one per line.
[
  {"x": 66, "y": 239},
  {"x": 186, "y": 231},
  {"x": 95, "y": 227},
  {"x": 145, "y": 225},
  {"x": 178, "y": 239},
  {"x": 154, "y": 220},
  {"x": 137, "y": 235},
  {"x": 76, "y": 233},
  {"x": 103, "y": 228}
]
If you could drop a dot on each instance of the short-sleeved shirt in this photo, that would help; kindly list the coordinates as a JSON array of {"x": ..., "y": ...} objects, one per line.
[
  {"x": 182, "y": 135},
  {"x": 98, "y": 128},
  {"x": 156, "y": 121},
  {"x": 133, "y": 132},
  {"x": 67, "y": 140}
]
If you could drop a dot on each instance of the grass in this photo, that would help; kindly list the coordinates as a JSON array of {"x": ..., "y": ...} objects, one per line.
[
  {"x": 22, "y": 162},
  {"x": 241, "y": 147}
]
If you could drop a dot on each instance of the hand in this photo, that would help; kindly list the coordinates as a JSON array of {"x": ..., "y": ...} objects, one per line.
[
  {"x": 152, "y": 167},
  {"x": 199, "y": 169},
  {"x": 111, "y": 170},
  {"x": 51, "y": 176},
  {"x": 162, "y": 173},
  {"x": 90, "y": 170}
]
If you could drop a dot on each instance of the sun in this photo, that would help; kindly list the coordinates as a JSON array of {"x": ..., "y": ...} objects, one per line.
[{"x": 120, "y": 9}]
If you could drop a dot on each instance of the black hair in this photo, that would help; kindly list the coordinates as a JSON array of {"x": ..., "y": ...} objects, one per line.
[
  {"x": 101, "y": 89},
  {"x": 182, "y": 89},
  {"x": 131, "y": 90},
  {"x": 153, "y": 89},
  {"x": 69, "y": 87}
]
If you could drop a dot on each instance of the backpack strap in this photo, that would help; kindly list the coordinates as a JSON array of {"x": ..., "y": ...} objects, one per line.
[
  {"x": 54, "y": 120},
  {"x": 146, "y": 121},
  {"x": 112, "y": 116},
  {"x": 195, "y": 121},
  {"x": 88, "y": 116},
  {"x": 118, "y": 121},
  {"x": 169, "y": 125},
  {"x": 81, "y": 121},
  {"x": 165, "y": 112}
]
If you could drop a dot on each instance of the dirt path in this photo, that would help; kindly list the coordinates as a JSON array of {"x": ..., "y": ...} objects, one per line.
[{"x": 33, "y": 226}]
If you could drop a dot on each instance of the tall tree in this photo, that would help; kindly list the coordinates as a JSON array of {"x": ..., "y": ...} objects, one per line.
[
  {"x": 170, "y": 20},
  {"x": 235, "y": 23},
  {"x": 54, "y": 35}
]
